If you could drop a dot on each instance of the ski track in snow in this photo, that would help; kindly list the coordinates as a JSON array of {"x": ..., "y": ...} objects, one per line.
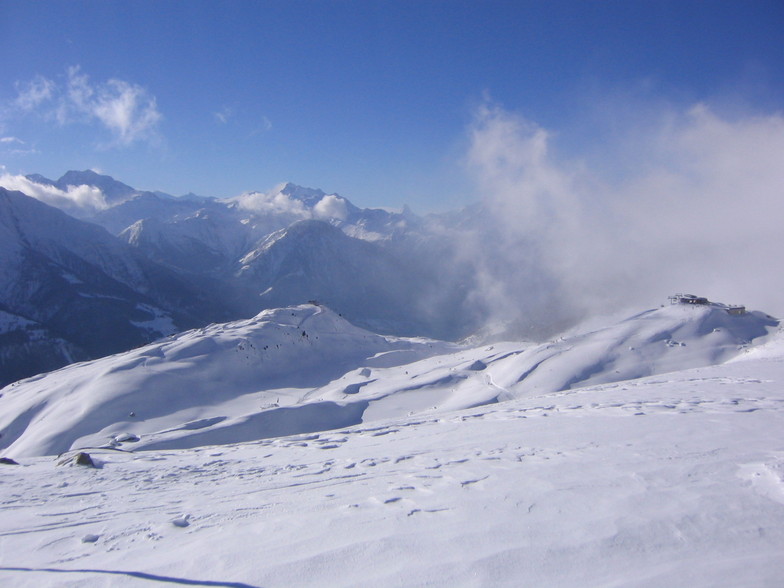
[{"x": 644, "y": 483}]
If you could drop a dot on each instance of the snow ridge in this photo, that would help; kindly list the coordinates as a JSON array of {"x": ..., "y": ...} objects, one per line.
[{"x": 304, "y": 369}]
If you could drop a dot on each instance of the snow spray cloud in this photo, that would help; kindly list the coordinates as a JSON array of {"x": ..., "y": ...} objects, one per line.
[{"x": 697, "y": 207}]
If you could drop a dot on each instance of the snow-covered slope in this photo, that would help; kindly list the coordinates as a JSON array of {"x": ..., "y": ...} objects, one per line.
[
  {"x": 193, "y": 245},
  {"x": 27, "y": 224},
  {"x": 148, "y": 205},
  {"x": 667, "y": 339},
  {"x": 305, "y": 369},
  {"x": 670, "y": 480},
  {"x": 225, "y": 383}
]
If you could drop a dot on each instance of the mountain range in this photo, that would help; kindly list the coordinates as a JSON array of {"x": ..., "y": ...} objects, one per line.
[
  {"x": 253, "y": 397},
  {"x": 89, "y": 277}
]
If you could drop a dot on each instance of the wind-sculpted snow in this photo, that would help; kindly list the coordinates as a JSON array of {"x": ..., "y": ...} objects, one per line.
[
  {"x": 669, "y": 480},
  {"x": 304, "y": 369}
]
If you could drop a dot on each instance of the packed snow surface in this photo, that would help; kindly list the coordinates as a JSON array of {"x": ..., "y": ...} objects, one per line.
[{"x": 579, "y": 478}]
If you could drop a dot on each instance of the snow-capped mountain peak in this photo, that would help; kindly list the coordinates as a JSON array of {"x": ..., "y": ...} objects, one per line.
[
  {"x": 309, "y": 196},
  {"x": 114, "y": 190}
]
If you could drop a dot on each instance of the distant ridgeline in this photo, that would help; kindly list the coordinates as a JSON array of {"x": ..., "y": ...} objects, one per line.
[{"x": 82, "y": 280}]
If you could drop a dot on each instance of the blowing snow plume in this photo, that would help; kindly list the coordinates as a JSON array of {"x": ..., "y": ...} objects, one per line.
[{"x": 697, "y": 206}]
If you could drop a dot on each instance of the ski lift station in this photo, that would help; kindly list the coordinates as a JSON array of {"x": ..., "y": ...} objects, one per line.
[{"x": 691, "y": 299}]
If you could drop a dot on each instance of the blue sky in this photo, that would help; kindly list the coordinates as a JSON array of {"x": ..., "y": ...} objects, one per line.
[{"x": 373, "y": 100}]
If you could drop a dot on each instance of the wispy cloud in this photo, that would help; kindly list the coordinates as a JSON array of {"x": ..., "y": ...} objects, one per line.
[
  {"x": 266, "y": 125},
  {"x": 697, "y": 207},
  {"x": 224, "y": 114},
  {"x": 30, "y": 95},
  {"x": 14, "y": 146},
  {"x": 126, "y": 110},
  {"x": 229, "y": 115}
]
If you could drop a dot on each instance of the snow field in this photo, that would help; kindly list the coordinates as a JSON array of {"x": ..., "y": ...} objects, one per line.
[
  {"x": 663, "y": 481},
  {"x": 294, "y": 449}
]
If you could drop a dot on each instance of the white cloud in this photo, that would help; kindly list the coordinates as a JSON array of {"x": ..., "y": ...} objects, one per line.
[
  {"x": 273, "y": 202},
  {"x": 125, "y": 109},
  {"x": 276, "y": 201},
  {"x": 77, "y": 200},
  {"x": 698, "y": 208},
  {"x": 331, "y": 206},
  {"x": 7, "y": 140}
]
